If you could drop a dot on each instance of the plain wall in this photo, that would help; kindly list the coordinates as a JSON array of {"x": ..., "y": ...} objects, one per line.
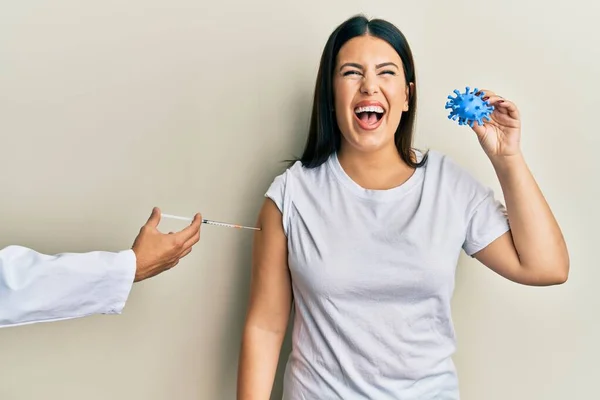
[{"x": 110, "y": 108}]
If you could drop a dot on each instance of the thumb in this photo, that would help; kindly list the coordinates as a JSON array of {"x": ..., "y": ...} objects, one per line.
[{"x": 154, "y": 217}]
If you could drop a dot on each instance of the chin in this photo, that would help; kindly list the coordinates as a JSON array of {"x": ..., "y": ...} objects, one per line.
[{"x": 369, "y": 142}]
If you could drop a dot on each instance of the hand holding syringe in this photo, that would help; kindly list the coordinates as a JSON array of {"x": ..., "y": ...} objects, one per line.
[{"x": 207, "y": 221}]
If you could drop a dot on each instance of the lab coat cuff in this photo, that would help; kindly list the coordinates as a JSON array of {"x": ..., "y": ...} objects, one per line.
[{"x": 123, "y": 271}]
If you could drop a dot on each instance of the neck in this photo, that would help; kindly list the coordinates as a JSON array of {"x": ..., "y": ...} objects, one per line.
[{"x": 377, "y": 170}]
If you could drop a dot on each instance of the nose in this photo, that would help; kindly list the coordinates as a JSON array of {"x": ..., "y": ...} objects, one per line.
[{"x": 369, "y": 85}]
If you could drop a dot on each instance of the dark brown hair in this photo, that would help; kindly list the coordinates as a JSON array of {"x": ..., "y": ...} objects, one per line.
[{"x": 324, "y": 136}]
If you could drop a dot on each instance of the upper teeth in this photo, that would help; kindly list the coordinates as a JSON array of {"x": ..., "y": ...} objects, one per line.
[{"x": 376, "y": 109}]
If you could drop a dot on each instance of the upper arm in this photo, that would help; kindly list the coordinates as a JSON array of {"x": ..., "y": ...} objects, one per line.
[
  {"x": 488, "y": 237},
  {"x": 490, "y": 241},
  {"x": 501, "y": 256},
  {"x": 270, "y": 287}
]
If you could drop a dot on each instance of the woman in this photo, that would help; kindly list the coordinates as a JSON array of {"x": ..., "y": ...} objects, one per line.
[{"x": 363, "y": 235}]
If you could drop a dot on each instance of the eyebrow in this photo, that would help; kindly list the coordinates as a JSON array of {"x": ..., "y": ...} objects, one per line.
[{"x": 355, "y": 65}]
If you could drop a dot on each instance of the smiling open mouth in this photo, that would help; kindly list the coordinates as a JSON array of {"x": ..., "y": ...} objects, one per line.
[{"x": 370, "y": 115}]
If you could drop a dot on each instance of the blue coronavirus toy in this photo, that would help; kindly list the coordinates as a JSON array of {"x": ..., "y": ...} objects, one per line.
[{"x": 469, "y": 107}]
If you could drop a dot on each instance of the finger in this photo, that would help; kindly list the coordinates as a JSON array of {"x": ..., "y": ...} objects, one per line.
[
  {"x": 494, "y": 100},
  {"x": 508, "y": 107},
  {"x": 191, "y": 242},
  {"x": 186, "y": 252},
  {"x": 154, "y": 218},
  {"x": 489, "y": 96},
  {"x": 500, "y": 103},
  {"x": 484, "y": 93},
  {"x": 192, "y": 229}
]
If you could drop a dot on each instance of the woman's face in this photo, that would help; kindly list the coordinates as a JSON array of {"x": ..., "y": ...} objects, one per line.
[{"x": 370, "y": 93}]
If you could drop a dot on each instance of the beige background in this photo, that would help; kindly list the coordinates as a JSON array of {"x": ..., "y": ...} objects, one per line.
[{"x": 109, "y": 108}]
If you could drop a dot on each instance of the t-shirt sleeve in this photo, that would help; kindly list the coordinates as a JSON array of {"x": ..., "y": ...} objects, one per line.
[
  {"x": 486, "y": 222},
  {"x": 278, "y": 191}
]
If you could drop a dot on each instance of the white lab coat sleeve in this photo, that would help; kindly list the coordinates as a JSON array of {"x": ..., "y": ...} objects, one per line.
[{"x": 36, "y": 287}]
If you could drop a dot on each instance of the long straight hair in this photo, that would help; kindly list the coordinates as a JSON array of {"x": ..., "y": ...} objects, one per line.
[{"x": 324, "y": 136}]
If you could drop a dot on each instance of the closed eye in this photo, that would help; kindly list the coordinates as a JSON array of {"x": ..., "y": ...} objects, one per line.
[{"x": 354, "y": 72}]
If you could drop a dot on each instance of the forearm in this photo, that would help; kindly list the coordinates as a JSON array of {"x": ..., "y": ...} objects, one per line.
[
  {"x": 536, "y": 234},
  {"x": 258, "y": 362},
  {"x": 36, "y": 287}
]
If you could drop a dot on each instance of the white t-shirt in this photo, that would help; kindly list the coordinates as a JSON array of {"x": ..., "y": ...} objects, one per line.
[{"x": 373, "y": 275}]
